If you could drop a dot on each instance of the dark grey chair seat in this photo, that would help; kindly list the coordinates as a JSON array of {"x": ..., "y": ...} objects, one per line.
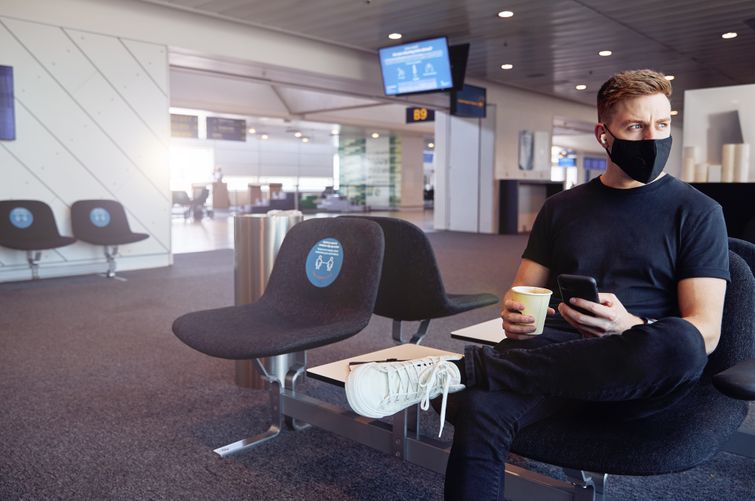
[
  {"x": 676, "y": 439},
  {"x": 411, "y": 287},
  {"x": 293, "y": 314},
  {"x": 259, "y": 330}
]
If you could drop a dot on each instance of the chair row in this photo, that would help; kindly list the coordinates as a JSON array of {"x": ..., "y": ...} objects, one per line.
[
  {"x": 327, "y": 279},
  {"x": 29, "y": 225}
]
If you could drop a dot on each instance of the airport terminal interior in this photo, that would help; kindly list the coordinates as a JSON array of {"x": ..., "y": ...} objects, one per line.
[{"x": 158, "y": 156}]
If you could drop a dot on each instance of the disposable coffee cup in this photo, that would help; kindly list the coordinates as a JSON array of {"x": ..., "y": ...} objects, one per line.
[{"x": 535, "y": 301}]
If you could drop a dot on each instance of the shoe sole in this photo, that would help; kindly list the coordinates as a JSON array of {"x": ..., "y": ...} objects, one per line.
[{"x": 357, "y": 405}]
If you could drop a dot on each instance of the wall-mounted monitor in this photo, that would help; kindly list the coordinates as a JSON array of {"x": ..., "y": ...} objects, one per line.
[
  {"x": 411, "y": 68},
  {"x": 458, "y": 54},
  {"x": 595, "y": 163},
  {"x": 470, "y": 102},
  {"x": 7, "y": 109}
]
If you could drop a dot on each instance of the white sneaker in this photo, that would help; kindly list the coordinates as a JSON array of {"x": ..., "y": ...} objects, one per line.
[{"x": 379, "y": 389}]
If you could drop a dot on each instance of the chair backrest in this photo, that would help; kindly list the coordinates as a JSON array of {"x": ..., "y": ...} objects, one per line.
[
  {"x": 745, "y": 250},
  {"x": 29, "y": 225},
  {"x": 411, "y": 287},
  {"x": 737, "y": 341},
  {"x": 101, "y": 222},
  {"x": 327, "y": 269}
]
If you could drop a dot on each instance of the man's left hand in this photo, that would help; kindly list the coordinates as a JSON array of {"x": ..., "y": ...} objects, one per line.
[{"x": 607, "y": 317}]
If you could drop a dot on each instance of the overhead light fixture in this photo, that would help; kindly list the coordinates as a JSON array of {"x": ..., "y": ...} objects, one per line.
[
  {"x": 669, "y": 77},
  {"x": 252, "y": 130},
  {"x": 264, "y": 136},
  {"x": 297, "y": 134},
  {"x": 375, "y": 135},
  {"x": 305, "y": 139},
  {"x": 505, "y": 13},
  {"x": 507, "y": 66},
  {"x": 431, "y": 145},
  {"x": 395, "y": 36},
  {"x": 674, "y": 113},
  {"x": 730, "y": 34},
  {"x": 581, "y": 87},
  {"x": 605, "y": 53},
  {"x": 334, "y": 132}
]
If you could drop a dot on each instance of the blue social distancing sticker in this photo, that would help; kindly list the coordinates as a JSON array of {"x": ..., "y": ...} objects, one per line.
[
  {"x": 99, "y": 217},
  {"x": 324, "y": 262},
  {"x": 21, "y": 217}
]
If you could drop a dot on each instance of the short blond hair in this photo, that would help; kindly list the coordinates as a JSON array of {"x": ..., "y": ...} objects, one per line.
[{"x": 629, "y": 84}]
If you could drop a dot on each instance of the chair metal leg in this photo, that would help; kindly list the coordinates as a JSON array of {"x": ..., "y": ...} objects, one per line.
[
  {"x": 590, "y": 485},
  {"x": 33, "y": 257},
  {"x": 416, "y": 337},
  {"x": 272, "y": 432},
  {"x": 279, "y": 371},
  {"x": 110, "y": 256}
]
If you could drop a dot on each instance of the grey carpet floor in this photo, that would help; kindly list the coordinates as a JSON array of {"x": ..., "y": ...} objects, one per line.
[{"x": 98, "y": 399}]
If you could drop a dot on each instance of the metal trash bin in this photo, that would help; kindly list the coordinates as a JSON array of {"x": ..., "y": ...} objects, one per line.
[{"x": 256, "y": 238}]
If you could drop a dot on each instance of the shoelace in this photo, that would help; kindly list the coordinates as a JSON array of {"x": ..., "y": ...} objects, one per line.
[{"x": 428, "y": 374}]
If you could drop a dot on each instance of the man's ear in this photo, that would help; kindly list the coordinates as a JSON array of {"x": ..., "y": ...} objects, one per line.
[{"x": 600, "y": 134}]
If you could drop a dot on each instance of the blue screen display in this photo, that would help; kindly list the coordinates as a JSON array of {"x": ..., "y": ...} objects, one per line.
[
  {"x": 592, "y": 163},
  {"x": 470, "y": 101},
  {"x": 416, "y": 67},
  {"x": 7, "y": 113}
]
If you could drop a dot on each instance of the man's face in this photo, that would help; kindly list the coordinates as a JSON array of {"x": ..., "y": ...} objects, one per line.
[{"x": 644, "y": 117}]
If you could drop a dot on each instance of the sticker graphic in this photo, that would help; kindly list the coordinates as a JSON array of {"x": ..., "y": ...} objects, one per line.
[
  {"x": 21, "y": 218},
  {"x": 324, "y": 262},
  {"x": 99, "y": 217}
]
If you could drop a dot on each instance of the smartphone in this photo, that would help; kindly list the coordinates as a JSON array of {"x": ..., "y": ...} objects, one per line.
[{"x": 578, "y": 286}]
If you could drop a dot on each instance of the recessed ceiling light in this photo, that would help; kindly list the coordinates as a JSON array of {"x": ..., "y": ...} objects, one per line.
[
  {"x": 264, "y": 136},
  {"x": 729, "y": 35},
  {"x": 395, "y": 36},
  {"x": 505, "y": 13},
  {"x": 581, "y": 87},
  {"x": 507, "y": 66},
  {"x": 605, "y": 53},
  {"x": 252, "y": 131},
  {"x": 669, "y": 77},
  {"x": 674, "y": 113},
  {"x": 334, "y": 132},
  {"x": 375, "y": 135},
  {"x": 431, "y": 145},
  {"x": 297, "y": 134},
  {"x": 305, "y": 139}
]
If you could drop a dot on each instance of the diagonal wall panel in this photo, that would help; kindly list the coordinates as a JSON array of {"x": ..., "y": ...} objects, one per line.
[{"x": 92, "y": 122}]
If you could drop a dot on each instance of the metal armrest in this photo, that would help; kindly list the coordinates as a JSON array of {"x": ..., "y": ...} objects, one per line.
[{"x": 738, "y": 381}]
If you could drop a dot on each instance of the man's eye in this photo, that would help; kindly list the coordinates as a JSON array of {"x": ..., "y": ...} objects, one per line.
[
  {"x": 663, "y": 125},
  {"x": 635, "y": 126}
]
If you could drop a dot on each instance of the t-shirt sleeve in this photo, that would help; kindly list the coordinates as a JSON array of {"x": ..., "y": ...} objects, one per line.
[
  {"x": 705, "y": 247},
  {"x": 539, "y": 244}
]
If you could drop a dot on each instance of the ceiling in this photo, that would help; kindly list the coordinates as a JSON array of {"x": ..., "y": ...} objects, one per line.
[{"x": 553, "y": 44}]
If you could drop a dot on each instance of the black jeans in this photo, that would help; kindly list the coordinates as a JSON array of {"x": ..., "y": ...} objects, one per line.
[{"x": 517, "y": 383}]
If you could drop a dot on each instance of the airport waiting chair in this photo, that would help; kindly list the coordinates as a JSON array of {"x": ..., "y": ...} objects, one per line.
[
  {"x": 678, "y": 439},
  {"x": 103, "y": 222},
  {"x": 411, "y": 287},
  {"x": 321, "y": 290},
  {"x": 29, "y": 225}
]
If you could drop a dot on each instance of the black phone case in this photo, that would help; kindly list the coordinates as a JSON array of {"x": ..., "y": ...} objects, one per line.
[{"x": 578, "y": 286}]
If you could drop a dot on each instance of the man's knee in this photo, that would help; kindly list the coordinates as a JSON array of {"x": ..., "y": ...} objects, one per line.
[{"x": 673, "y": 344}]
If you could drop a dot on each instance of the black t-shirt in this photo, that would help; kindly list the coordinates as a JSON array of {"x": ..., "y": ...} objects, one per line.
[{"x": 638, "y": 243}]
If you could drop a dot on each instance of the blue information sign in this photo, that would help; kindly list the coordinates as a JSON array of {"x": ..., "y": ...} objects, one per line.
[
  {"x": 324, "y": 262},
  {"x": 416, "y": 67}
]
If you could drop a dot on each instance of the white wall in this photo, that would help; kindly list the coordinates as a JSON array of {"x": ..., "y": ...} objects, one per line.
[
  {"x": 91, "y": 122},
  {"x": 705, "y": 131}
]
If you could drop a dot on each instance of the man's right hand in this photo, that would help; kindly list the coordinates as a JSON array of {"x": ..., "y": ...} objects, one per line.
[{"x": 517, "y": 325}]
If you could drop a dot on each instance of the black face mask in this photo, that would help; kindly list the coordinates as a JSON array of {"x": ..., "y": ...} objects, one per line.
[{"x": 641, "y": 160}]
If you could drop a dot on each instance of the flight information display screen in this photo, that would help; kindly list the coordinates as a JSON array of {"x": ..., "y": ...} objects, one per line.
[{"x": 415, "y": 67}]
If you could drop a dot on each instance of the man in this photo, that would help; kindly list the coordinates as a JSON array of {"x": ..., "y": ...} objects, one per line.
[{"x": 658, "y": 250}]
